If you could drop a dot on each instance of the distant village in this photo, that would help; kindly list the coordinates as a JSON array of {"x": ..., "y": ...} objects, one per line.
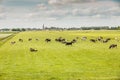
[{"x": 58, "y": 28}]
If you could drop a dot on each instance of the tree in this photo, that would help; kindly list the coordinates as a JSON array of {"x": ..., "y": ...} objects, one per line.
[{"x": 23, "y": 29}]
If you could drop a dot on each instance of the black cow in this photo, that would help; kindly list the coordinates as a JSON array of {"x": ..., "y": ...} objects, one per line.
[
  {"x": 21, "y": 40},
  {"x": 113, "y": 46},
  {"x": 48, "y": 40},
  {"x": 74, "y": 40},
  {"x": 60, "y": 39},
  {"x": 106, "y": 40},
  {"x": 33, "y": 50},
  {"x": 93, "y": 40},
  {"x": 29, "y": 39},
  {"x": 68, "y": 43}
]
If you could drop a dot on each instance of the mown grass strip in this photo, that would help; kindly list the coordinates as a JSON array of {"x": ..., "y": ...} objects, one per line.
[{"x": 3, "y": 40}]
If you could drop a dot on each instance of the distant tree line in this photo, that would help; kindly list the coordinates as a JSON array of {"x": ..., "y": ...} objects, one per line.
[
  {"x": 58, "y": 28},
  {"x": 84, "y": 28},
  {"x": 19, "y": 29}
]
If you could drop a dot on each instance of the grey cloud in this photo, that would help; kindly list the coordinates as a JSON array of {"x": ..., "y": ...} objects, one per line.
[
  {"x": 64, "y": 2},
  {"x": 1, "y": 1},
  {"x": 98, "y": 12},
  {"x": 2, "y": 15},
  {"x": 95, "y": 9},
  {"x": 2, "y": 12},
  {"x": 78, "y": 1},
  {"x": 58, "y": 13},
  {"x": 42, "y": 6}
]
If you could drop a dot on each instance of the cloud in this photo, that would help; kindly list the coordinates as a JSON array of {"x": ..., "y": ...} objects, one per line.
[
  {"x": 55, "y": 2},
  {"x": 97, "y": 9},
  {"x": 20, "y": 3},
  {"x": 48, "y": 14},
  {"x": 57, "y": 13},
  {"x": 2, "y": 15},
  {"x": 1, "y": 1},
  {"x": 63, "y": 2},
  {"x": 78, "y": 1},
  {"x": 2, "y": 12},
  {"x": 51, "y": 19},
  {"x": 72, "y": 3},
  {"x": 41, "y": 6},
  {"x": 59, "y": 10}
]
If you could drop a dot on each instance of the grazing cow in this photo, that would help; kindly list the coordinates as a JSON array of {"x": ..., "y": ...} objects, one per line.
[
  {"x": 69, "y": 43},
  {"x": 56, "y": 39},
  {"x": 60, "y": 39},
  {"x": 47, "y": 40},
  {"x": 113, "y": 46},
  {"x": 74, "y": 40},
  {"x": 21, "y": 40},
  {"x": 13, "y": 42},
  {"x": 99, "y": 38},
  {"x": 33, "y": 50},
  {"x": 37, "y": 39},
  {"x": 29, "y": 39},
  {"x": 93, "y": 40},
  {"x": 106, "y": 40}
]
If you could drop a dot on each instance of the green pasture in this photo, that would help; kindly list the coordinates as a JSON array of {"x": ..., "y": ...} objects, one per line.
[{"x": 84, "y": 60}]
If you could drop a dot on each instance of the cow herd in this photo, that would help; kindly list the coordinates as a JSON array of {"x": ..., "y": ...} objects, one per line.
[
  {"x": 100, "y": 39},
  {"x": 71, "y": 42},
  {"x": 64, "y": 41}
]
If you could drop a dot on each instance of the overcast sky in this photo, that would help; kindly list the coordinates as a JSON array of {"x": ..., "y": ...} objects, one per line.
[{"x": 61, "y": 13}]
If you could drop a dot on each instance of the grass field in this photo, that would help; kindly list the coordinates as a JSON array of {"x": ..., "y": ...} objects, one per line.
[{"x": 83, "y": 60}]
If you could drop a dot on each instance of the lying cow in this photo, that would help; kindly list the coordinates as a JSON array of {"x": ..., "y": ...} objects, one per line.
[
  {"x": 13, "y": 42},
  {"x": 47, "y": 40},
  {"x": 93, "y": 40},
  {"x": 60, "y": 39},
  {"x": 37, "y": 39},
  {"x": 30, "y": 39},
  {"x": 113, "y": 46},
  {"x": 21, "y": 40},
  {"x": 33, "y": 50},
  {"x": 68, "y": 43}
]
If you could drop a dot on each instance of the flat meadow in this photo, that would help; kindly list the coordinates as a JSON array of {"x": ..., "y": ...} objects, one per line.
[{"x": 84, "y": 60}]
